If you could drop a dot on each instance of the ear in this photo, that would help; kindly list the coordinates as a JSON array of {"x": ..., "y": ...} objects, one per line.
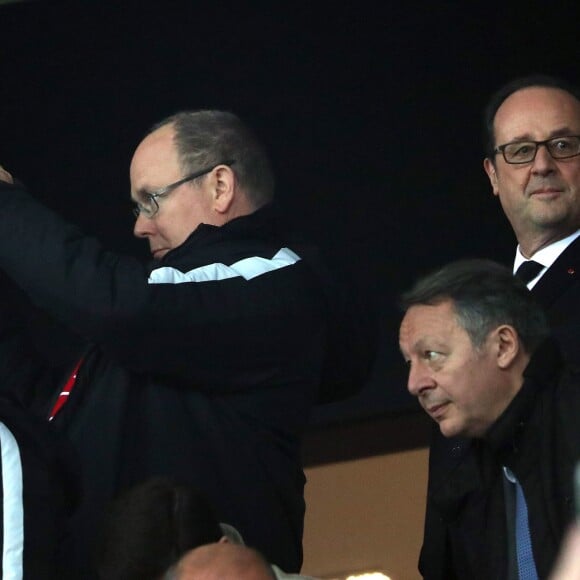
[
  {"x": 491, "y": 174},
  {"x": 508, "y": 346},
  {"x": 223, "y": 188},
  {"x": 224, "y": 540}
]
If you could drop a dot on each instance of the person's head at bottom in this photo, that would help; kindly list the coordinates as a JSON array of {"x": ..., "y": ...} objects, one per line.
[
  {"x": 150, "y": 526},
  {"x": 221, "y": 561}
]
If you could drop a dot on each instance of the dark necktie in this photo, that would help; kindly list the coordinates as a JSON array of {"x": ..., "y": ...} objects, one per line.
[{"x": 528, "y": 271}]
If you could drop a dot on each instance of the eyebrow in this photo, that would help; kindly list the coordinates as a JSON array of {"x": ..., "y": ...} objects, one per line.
[
  {"x": 141, "y": 194},
  {"x": 561, "y": 132},
  {"x": 415, "y": 347}
]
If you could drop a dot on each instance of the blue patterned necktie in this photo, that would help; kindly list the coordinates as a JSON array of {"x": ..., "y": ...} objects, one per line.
[{"x": 525, "y": 557}]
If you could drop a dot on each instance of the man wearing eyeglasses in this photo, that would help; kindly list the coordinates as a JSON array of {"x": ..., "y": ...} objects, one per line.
[
  {"x": 204, "y": 365},
  {"x": 533, "y": 164}
]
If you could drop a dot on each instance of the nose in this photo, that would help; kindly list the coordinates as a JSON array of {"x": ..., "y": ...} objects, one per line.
[
  {"x": 144, "y": 227},
  {"x": 419, "y": 380},
  {"x": 543, "y": 163}
]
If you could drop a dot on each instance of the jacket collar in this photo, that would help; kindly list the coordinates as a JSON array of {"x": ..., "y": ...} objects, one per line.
[
  {"x": 564, "y": 272},
  {"x": 541, "y": 372},
  {"x": 266, "y": 223},
  {"x": 470, "y": 462}
]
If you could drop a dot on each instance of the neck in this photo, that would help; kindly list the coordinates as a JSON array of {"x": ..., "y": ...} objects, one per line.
[{"x": 533, "y": 242}]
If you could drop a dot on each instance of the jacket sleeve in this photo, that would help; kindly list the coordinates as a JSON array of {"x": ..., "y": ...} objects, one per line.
[{"x": 196, "y": 331}]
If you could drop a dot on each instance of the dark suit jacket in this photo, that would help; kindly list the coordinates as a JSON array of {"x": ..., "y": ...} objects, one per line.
[{"x": 558, "y": 290}]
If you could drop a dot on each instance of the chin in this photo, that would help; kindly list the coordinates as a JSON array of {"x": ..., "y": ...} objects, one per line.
[{"x": 451, "y": 430}]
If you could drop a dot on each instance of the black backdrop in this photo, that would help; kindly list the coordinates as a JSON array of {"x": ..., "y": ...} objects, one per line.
[{"x": 371, "y": 112}]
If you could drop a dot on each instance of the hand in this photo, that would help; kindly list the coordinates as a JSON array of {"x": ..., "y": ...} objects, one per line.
[{"x": 5, "y": 176}]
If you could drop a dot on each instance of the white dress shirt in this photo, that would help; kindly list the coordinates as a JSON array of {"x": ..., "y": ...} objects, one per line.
[{"x": 546, "y": 256}]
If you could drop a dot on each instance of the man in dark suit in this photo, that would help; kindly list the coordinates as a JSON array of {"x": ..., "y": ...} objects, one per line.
[{"x": 533, "y": 163}]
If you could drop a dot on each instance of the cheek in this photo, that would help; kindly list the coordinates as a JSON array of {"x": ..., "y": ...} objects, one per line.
[
  {"x": 512, "y": 197},
  {"x": 572, "y": 177},
  {"x": 511, "y": 178},
  {"x": 165, "y": 232},
  {"x": 461, "y": 389},
  {"x": 512, "y": 184},
  {"x": 180, "y": 229}
]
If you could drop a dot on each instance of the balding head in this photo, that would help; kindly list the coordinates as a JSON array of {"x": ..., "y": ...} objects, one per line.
[{"x": 222, "y": 561}]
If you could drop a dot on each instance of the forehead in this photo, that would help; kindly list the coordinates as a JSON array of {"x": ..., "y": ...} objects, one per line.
[
  {"x": 429, "y": 323},
  {"x": 155, "y": 160},
  {"x": 537, "y": 113}
]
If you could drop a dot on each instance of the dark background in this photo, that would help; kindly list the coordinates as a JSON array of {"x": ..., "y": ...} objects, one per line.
[{"x": 371, "y": 112}]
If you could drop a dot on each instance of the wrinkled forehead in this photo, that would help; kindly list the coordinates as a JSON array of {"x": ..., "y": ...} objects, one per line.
[
  {"x": 537, "y": 113},
  {"x": 423, "y": 321}
]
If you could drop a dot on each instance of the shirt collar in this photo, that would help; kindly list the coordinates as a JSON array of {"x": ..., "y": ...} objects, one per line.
[{"x": 546, "y": 256}]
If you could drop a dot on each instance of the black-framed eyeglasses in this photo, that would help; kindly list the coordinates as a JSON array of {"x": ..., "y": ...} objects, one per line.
[
  {"x": 149, "y": 206},
  {"x": 525, "y": 151}
]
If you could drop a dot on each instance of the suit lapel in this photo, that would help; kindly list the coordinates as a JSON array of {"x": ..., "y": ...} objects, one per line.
[{"x": 564, "y": 272}]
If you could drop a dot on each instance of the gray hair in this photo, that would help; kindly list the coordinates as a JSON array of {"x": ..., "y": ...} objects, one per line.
[
  {"x": 484, "y": 295},
  {"x": 205, "y": 138}
]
